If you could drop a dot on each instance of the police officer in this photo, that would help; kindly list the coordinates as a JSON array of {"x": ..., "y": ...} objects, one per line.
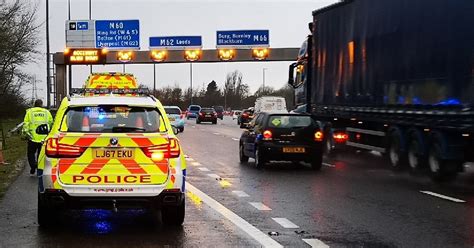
[{"x": 35, "y": 117}]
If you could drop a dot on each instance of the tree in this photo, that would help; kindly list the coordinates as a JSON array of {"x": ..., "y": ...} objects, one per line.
[
  {"x": 235, "y": 90},
  {"x": 18, "y": 42}
]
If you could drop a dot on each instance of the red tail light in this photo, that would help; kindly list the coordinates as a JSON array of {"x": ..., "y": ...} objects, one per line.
[
  {"x": 160, "y": 152},
  {"x": 267, "y": 135},
  {"x": 318, "y": 136},
  {"x": 55, "y": 149},
  {"x": 182, "y": 116},
  {"x": 340, "y": 137},
  {"x": 200, "y": 113}
]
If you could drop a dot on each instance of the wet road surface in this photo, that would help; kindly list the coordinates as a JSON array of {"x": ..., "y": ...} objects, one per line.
[{"x": 355, "y": 201}]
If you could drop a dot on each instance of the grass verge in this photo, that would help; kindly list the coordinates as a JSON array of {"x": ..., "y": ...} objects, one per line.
[{"x": 14, "y": 153}]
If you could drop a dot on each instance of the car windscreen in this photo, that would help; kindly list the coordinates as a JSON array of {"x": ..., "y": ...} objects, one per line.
[
  {"x": 173, "y": 111},
  {"x": 194, "y": 108},
  {"x": 290, "y": 121},
  {"x": 113, "y": 119}
]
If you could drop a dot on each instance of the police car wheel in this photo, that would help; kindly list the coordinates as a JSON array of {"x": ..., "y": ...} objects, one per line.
[
  {"x": 173, "y": 215},
  {"x": 45, "y": 213}
]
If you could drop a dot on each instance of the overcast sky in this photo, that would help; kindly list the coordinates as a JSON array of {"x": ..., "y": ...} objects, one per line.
[{"x": 286, "y": 20}]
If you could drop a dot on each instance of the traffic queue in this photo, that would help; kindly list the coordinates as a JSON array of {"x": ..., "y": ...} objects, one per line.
[{"x": 114, "y": 145}]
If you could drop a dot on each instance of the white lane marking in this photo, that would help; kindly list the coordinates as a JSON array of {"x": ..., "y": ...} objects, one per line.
[
  {"x": 284, "y": 222},
  {"x": 260, "y": 206},
  {"x": 252, "y": 231},
  {"x": 240, "y": 193},
  {"x": 329, "y": 165},
  {"x": 221, "y": 163},
  {"x": 316, "y": 243},
  {"x": 203, "y": 169},
  {"x": 214, "y": 176},
  {"x": 189, "y": 159},
  {"x": 194, "y": 126},
  {"x": 217, "y": 133},
  {"x": 235, "y": 139},
  {"x": 196, "y": 163},
  {"x": 443, "y": 196}
]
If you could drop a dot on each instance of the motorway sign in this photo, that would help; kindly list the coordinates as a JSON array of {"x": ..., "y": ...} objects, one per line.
[
  {"x": 242, "y": 38},
  {"x": 117, "y": 34},
  {"x": 175, "y": 42},
  {"x": 80, "y": 34}
]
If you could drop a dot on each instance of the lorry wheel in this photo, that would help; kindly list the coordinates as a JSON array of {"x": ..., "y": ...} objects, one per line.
[
  {"x": 173, "y": 215},
  {"x": 317, "y": 162},
  {"x": 45, "y": 212},
  {"x": 242, "y": 157},
  {"x": 441, "y": 170},
  {"x": 396, "y": 156},
  {"x": 259, "y": 159},
  {"x": 416, "y": 160}
]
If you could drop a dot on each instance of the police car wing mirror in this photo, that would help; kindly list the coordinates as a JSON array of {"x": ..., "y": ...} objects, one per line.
[
  {"x": 175, "y": 130},
  {"x": 42, "y": 129}
]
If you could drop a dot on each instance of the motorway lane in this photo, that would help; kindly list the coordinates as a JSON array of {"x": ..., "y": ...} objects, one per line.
[
  {"x": 203, "y": 226},
  {"x": 358, "y": 202}
]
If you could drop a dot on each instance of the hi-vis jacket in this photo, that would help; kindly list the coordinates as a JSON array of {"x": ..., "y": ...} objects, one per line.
[{"x": 35, "y": 117}]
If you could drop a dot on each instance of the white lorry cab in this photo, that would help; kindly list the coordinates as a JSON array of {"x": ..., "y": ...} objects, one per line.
[{"x": 270, "y": 104}]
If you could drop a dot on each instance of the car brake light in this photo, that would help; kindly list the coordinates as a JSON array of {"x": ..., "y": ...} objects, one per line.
[
  {"x": 160, "y": 152},
  {"x": 182, "y": 116},
  {"x": 318, "y": 136},
  {"x": 340, "y": 137},
  {"x": 267, "y": 135},
  {"x": 55, "y": 149},
  {"x": 200, "y": 114}
]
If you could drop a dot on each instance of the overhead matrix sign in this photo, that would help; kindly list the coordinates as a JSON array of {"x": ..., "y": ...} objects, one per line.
[
  {"x": 176, "y": 42},
  {"x": 110, "y": 34},
  {"x": 242, "y": 39}
]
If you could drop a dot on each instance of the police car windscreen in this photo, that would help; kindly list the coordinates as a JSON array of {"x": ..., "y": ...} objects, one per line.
[
  {"x": 290, "y": 121},
  {"x": 113, "y": 119},
  {"x": 173, "y": 111}
]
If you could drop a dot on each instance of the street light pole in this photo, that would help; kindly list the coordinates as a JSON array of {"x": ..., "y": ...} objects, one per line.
[
  {"x": 191, "y": 80},
  {"x": 154, "y": 78},
  {"x": 48, "y": 59},
  {"x": 263, "y": 72},
  {"x": 69, "y": 66},
  {"x": 90, "y": 18}
]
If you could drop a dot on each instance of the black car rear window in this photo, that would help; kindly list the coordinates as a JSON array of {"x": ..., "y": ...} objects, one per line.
[
  {"x": 290, "y": 121},
  {"x": 207, "y": 110},
  {"x": 194, "y": 108}
]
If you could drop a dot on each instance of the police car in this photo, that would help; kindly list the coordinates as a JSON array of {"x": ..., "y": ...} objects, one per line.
[{"x": 111, "y": 146}]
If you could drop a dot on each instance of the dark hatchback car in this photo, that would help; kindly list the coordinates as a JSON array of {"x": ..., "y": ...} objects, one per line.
[
  {"x": 282, "y": 137},
  {"x": 245, "y": 117},
  {"x": 207, "y": 115}
]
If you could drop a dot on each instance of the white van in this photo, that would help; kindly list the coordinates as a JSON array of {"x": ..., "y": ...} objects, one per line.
[{"x": 271, "y": 104}]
